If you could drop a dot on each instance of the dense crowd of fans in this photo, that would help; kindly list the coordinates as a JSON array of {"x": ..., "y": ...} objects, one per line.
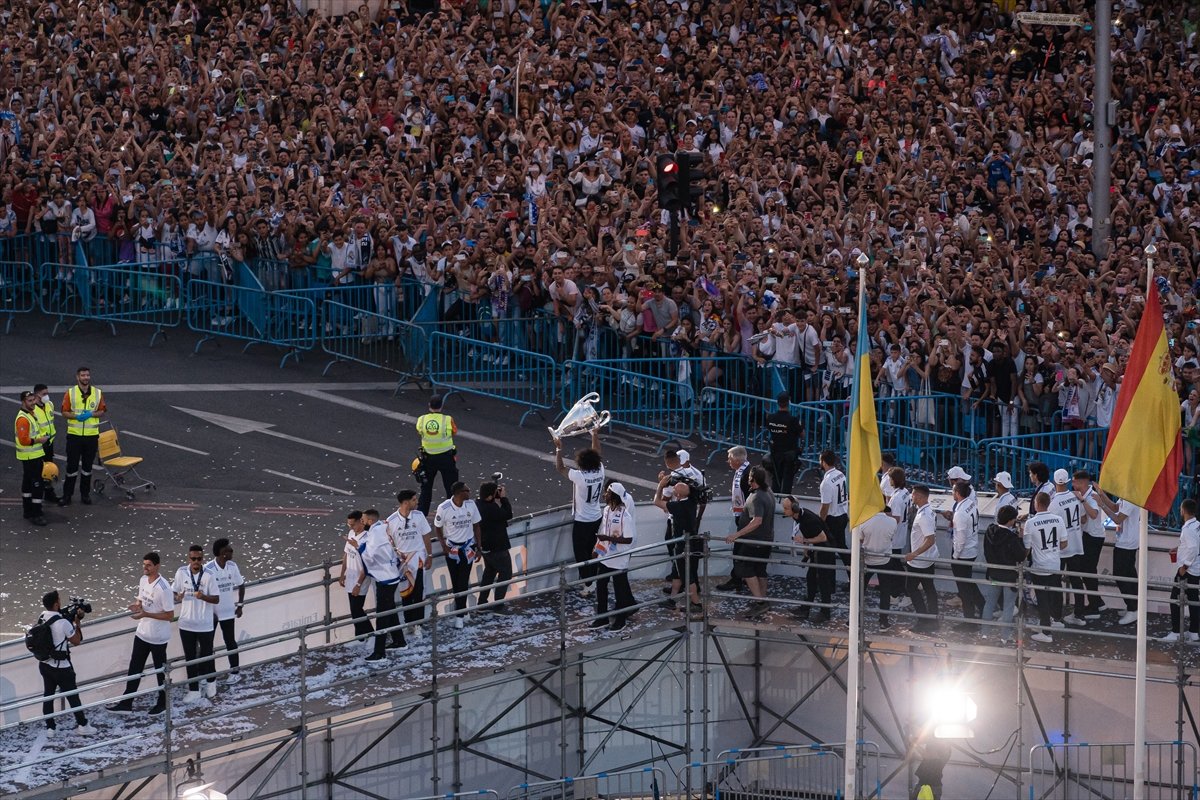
[{"x": 505, "y": 152}]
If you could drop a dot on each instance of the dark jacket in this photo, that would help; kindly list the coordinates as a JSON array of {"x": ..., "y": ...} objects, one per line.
[
  {"x": 1003, "y": 550},
  {"x": 493, "y": 524}
]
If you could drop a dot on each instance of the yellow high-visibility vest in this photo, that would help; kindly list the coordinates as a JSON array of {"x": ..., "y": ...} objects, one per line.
[
  {"x": 45, "y": 417},
  {"x": 437, "y": 433},
  {"x": 90, "y": 426},
  {"x": 28, "y": 452}
]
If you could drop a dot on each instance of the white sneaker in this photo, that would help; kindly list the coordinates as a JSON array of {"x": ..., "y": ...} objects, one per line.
[
  {"x": 1107, "y": 607},
  {"x": 1074, "y": 621},
  {"x": 1128, "y": 618},
  {"x": 233, "y": 678},
  {"x": 85, "y": 730},
  {"x": 458, "y": 623},
  {"x": 1054, "y": 623},
  {"x": 210, "y": 689},
  {"x": 1191, "y": 637},
  {"x": 51, "y": 733},
  {"x": 1045, "y": 638},
  {"x": 588, "y": 589},
  {"x": 1170, "y": 637},
  {"x": 902, "y": 603},
  {"x": 192, "y": 697},
  {"x": 417, "y": 632}
]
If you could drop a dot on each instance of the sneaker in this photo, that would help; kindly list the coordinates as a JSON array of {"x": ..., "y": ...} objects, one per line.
[
  {"x": 397, "y": 646},
  {"x": 192, "y": 697},
  {"x": 87, "y": 501},
  {"x": 1057, "y": 623},
  {"x": 1170, "y": 637},
  {"x": 617, "y": 624},
  {"x": 1092, "y": 614},
  {"x": 1107, "y": 607},
  {"x": 458, "y": 623},
  {"x": 233, "y": 678},
  {"x": 1074, "y": 621},
  {"x": 599, "y": 622},
  {"x": 63, "y": 502},
  {"x": 210, "y": 689},
  {"x": 51, "y": 733},
  {"x": 85, "y": 730},
  {"x": 1191, "y": 637},
  {"x": 417, "y": 632},
  {"x": 758, "y": 608},
  {"x": 374, "y": 660},
  {"x": 159, "y": 708},
  {"x": 123, "y": 707},
  {"x": 697, "y": 608},
  {"x": 728, "y": 586},
  {"x": 902, "y": 603},
  {"x": 1044, "y": 638},
  {"x": 1128, "y": 618},
  {"x": 588, "y": 589},
  {"x": 39, "y": 521}
]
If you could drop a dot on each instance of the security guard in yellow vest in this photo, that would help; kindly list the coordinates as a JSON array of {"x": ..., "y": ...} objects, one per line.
[
  {"x": 82, "y": 407},
  {"x": 28, "y": 438},
  {"x": 43, "y": 411},
  {"x": 438, "y": 453}
]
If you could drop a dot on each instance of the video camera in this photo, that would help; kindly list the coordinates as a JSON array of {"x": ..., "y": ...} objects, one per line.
[{"x": 78, "y": 607}]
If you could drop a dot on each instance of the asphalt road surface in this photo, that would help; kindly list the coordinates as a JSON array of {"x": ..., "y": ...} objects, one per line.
[{"x": 238, "y": 447}]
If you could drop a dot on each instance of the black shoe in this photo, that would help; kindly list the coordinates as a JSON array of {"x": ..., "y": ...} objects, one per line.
[
  {"x": 39, "y": 521},
  {"x": 400, "y": 645},
  {"x": 696, "y": 608},
  {"x": 123, "y": 707},
  {"x": 758, "y": 608},
  {"x": 617, "y": 624},
  {"x": 375, "y": 659},
  {"x": 159, "y": 708},
  {"x": 63, "y": 502},
  {"x": 801, "y": 613},
  {"x": 668, "y": 590},
  {"x": 728, "y": 586},
  {"x": 598, "y": 623},
  {"x": 670, "y": 603},
  {"x": 822, "y": 616},
  {"x": 87, "y": 501},
  {"x": 885, "y": 624}
]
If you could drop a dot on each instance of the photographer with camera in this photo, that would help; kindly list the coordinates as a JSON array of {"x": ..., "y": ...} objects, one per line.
[
  {"x": 494, "y": 511},
  {"x": 58, "y": 675}
]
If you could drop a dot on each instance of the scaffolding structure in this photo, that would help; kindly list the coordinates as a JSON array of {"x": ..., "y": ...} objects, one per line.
[{"x": 677, "y": 705}]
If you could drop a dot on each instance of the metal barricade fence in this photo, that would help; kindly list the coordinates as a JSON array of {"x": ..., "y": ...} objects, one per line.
[
  {"x": 927, "y": 455},
  {"x": 251, "y": 315},
  {"x": 643, "y": 784},
  {"x": 517, "y": 376},
  {"x": 1087, "y": 770},
  {"x": 804, "y": 771},
  {"x": 869, "y": 782},
  {"x": 523, "y": 333},
  {"x": 18, "y": 290},
  {"x": 729, "y": 418},
  {"x": 657, "y": 405},
  {"x": 456, "y": 795},
  {"x": 137, "y": 294},
  {"x": 376, "y": 340}
]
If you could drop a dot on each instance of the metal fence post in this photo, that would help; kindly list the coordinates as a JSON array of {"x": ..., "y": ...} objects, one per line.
[
  {"x": 167, "y": 728},
  {"x": 562, "y": 669},
  {"x": 303, "y": 712}
]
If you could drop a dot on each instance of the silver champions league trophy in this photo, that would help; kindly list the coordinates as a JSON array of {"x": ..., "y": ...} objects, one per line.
[{"x": 582, "y": 418}]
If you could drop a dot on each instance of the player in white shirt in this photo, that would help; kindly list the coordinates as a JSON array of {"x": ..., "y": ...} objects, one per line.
[
  {"x": 835, "y": 504},
  {"x": 354, "y": 578},
  {"x": 888, "y": 463},
  {"x": 381, "y": 561},
  {"x": 618, "y": 533},
  {"x": 919, "y": 560},
  {"x": 738, "y": 460},
  {"x": 58, "y": 675},
  {"x": 587, "y": 482},
  {"x": 456, "y": 524},
  {"x": 232, "y": 588},
  {"x": 876, "y": 535},
  {"x": 1003, "y": 484},
  {"x": 1125, "y": 547},
  {"x": 413, "y": 535},
  {"x": 1065, "y": 504},
  {"x": 1045, "y": 536},
  {"x": 197, "y": 595},
  {"x": 1093, "y": 541},
  {"x": 1187, "y": 577},
  {"x": 899, "y": 509},
  {"x": 1039, "y": 476},
  {"x": 154, "y": 609},
  {"x": 965, "y": 548}
]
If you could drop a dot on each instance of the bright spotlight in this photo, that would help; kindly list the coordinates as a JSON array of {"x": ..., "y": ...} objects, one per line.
[
  {"x": 204, "y": 791},
  {"x": 951, "y": 712}
]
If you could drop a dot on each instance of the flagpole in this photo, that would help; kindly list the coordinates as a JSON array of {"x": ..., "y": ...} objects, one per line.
[
  {"x": 852, "y": 690},
  {"x": 1143, "y": 564}
]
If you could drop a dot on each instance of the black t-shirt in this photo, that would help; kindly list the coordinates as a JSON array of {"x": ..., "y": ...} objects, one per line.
[
  {"x": 493, "y": 524},
  {"x": 1004, "y": 373},
  {"x": 785, "y": 432},
  {"x": 811, "y": 525},
  {"x": 683, "y": 516}
]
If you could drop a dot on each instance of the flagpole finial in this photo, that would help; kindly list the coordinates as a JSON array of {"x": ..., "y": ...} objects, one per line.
[
  {"x": 1151, "y": 251},
  {"x": 863, "y": 260}
]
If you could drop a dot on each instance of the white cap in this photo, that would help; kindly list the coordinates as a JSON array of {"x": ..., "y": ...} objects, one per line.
[
  {"x": 684, "y": 456},
  {"x": 1061, "y": 476},
  {"x": 958, "y": 474},
  {"x": 1004, "y": 479}
]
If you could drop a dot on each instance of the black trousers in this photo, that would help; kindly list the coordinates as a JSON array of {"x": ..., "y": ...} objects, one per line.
[
  {"x": 1190, "y": 585},
  {"x": 1077, "y": 601},
  {"x": 415, "y": 598},
  {"x": 1124, "y": 565},
  {"x": 55, "y": 680},
  {"x": 1049, "y": 598},
  {"x": 620, "y": 582},
  {"x": 137, "y": 662},
  {"x": 836, "y": 528},
  {"x": 497, "y": 566},
  {"x": 32, "y": 487},
  {"x": 229, "y": 636},
  {"x": 968, "y": 593},
  {"x": 81, "y": 455},
  {"x": 583, "y": 542},
  {"x": 1092, "y": 547},
  {"x": 48, "y": 488},
  {"x": 783, "y": 466},
  {"x": 358, "y": 613},
  {"x": 922, "y": 592},
  {"x": 460, "y": 580},
  {"x": 820, "y": 578},
  {"x": 198, "y": 644},
  {"x": 385, "y": 606},
  {"x": 889, "y": 585},
  {"x": 445, "y": 464},
  {"x": 687, "y": 560}
]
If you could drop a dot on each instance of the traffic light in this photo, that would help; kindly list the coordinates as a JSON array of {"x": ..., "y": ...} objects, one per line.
[
  {"x": 691, "y": 179},
  {"x": 667, "y": 170}
]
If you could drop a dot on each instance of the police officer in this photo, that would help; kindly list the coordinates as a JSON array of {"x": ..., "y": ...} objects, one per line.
[
  {"x": 785, "y": 443},
  {"x": 438, "y": 453},
  {"x": 58, "y": 674},
  {"x": 82, "y": 407},
  {"x": 29, "y": 440},
  {"x": 43, "y": 411}
]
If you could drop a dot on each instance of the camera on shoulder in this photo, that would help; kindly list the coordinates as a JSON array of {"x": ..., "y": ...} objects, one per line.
[{"x": 77, "y": 608}]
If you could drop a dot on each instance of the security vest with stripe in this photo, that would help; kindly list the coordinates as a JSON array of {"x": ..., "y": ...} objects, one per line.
[
  {"x": 437, "y": 433},
  {"x": 90, "y": 426},
  {"x": 28, "y": 452},
  {"x": 44, "y": 414}
]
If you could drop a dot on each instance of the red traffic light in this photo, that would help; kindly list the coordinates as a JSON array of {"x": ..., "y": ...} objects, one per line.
[{"x": 670, "y": 167}]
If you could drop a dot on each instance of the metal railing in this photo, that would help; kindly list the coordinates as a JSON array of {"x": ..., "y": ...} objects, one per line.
[
  {"x": 375, "y": 340},
  {"x": 218, "y": 310},
  {"x": 18, "y": 290},
  {"x": 1084, "y": 771},
  {"x": 138, "y": 294},
  {"x": 768, "y": 773},
  {"x": 640, "y": 784},
  {"x": 460, "y": 364},
  {"x": 730, "y": 418}
]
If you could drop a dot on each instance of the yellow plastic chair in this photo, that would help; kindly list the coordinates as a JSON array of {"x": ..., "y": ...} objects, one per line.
[{"x": 118, "y": 467}]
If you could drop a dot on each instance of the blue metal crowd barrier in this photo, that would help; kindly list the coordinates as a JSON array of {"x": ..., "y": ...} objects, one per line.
[
  {"x": 216, "y": 310},
  {"x": 138, "y": 294},
  {"x": 18, "y": 290},
  {"x": 461, "y": 364},
  {"x": 1069, "y": 450},
  {"x": 659, "y": 405},
  {"x": 376, "y": 340},
  {"x": 730, "y": 418},
  {"x": 927, "y": 455}
]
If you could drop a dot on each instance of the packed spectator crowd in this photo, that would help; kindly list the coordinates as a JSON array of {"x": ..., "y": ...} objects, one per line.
[{"x": 503, "y": 152}]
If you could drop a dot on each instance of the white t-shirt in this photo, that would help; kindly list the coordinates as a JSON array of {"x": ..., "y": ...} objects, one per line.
[
  {"x": 965, "y": 518},
  {"x": 1091, "y": 527},
  {"x": 457, "y": 522},
  {"x": 354, "y": 564},
  {"x": 834, "y": 492},
  {"x": 409, "y": 532},
  {"x": 588, "y": 491},
  {"x": 1188, "y": 552},
  {"x": 618, "y": 522},
  {"x": 1066, "y": 505},
  {"x": 227, "y": 580},
  {"x": 885, "y": 486},
  {"x": 1127, "y": 531},
  {"x": 899, "y": 505},
  {"x": 1006, "y": 499},
  {"x": 62, "y": 630},
  {"x": 877, "y": 533},
  {"x": 155, "y": 598},
  {"x": 194, "y": 614},
  {"x": 379, "y": 554},
  {"x": 924, "y": 526},
  {"x": 1044, "y": 535}
]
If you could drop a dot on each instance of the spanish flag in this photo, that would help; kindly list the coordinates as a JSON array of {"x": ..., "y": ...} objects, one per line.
[
  {"x": 1144, "y": 455},
  {"x": 866, "y": 499}
]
